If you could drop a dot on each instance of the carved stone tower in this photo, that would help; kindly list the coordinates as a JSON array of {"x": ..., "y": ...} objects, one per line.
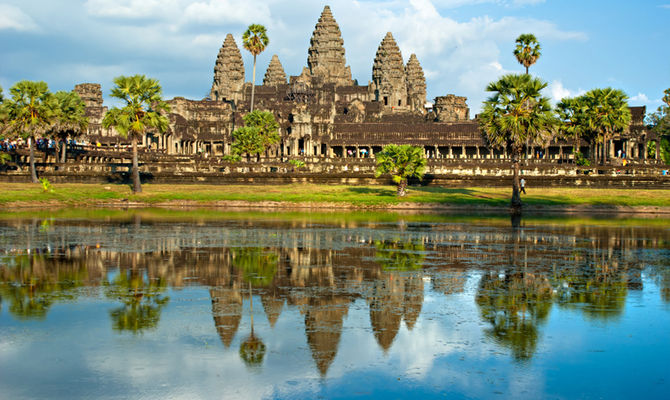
[
  {"x": 451, "y": 108},
  {"x": 416, "y": 84},
  {"x": 325, "y": 57},
  {"x": 275, "y": 74},
  {"x": 388, "y": 74},
  {"x": 228, "y": 72}
]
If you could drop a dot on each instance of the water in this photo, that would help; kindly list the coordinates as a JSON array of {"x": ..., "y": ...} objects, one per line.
[{"x": 157, "y": 304}]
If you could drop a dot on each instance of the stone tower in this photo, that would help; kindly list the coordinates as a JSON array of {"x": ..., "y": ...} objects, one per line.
[
  {"x": 228, "y": 72},
  {"x": 451, "y": 108},
  {"x": 388, "y": 74},
  {"x": 416, "y": 84},
  {"x": 275, "y": 74},
  {"x": 325, "y": 57},
  {"x": 91, "y": 95}
]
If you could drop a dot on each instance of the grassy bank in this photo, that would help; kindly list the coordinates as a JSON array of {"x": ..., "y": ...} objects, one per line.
[{"x": 20, "y": 194}]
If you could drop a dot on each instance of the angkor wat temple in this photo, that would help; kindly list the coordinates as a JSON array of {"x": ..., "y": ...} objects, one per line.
[{"x": 325, "y": 113}]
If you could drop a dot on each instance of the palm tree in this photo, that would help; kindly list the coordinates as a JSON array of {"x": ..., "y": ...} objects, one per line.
[
  {"x": 572, "y": 120},
  {"x": 255, "y": 40},
  {"x": 527, "y": 50},
  {"x": 70, "y": 118},
  {"x": 607, "y": 113},
  {"x": 516, "y": 114},
  {"x": 144, "y": 110},
  {"x": 402, "y": 162},
  {"x": 28, "y": 113}
]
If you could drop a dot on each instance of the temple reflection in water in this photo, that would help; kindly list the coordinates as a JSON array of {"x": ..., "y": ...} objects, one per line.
[{"x": 518, "y": 274}]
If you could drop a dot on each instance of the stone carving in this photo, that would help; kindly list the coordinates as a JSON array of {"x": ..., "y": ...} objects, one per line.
[
  {"x": 416, "y": 84},
  {"x": 228, "y": 72},
  {"x": 388, "y": 74},
  {"x": 325, "y": 57},
  {"x": 275, "y": 74},
  {"x": 451, "y": 108}
]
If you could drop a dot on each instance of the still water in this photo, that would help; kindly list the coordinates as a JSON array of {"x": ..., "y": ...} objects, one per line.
[{"x": 161, "y": 304}]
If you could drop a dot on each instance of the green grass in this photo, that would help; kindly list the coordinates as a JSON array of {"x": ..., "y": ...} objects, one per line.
[{"x": 21, "y": 194}]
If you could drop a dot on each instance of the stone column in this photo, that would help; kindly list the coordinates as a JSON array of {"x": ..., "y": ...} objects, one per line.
[
  {"x": 463, "y": 155},
  {"x": 451, "y": 152}
]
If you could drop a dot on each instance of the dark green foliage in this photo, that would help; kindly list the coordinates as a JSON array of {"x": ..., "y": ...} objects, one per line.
[
  {"x": 515, "y": 115},
  {"x": 527, "y": 50},
  {"x": 401, "y": 162},
  {"x": 144, "y": 110},
  {"x": 261, "y": 131}
]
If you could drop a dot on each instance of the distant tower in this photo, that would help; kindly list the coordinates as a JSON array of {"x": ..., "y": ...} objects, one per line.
[
  {"x": 228, "y": 72},
  {"x": 416, "y": 84},
  {"x": 325, "y": 58},
  {"x": 275, "y": 74},
  {"x": 388, "y": 74}
]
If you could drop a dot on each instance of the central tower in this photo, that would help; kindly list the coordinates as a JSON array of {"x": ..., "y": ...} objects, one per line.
[{"x": 325, "y": 57}]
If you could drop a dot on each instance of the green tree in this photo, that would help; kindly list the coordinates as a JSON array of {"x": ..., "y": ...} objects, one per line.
[
  {"x": 255, "y": 40},
  {"x": 143, "y": 111},
  {"x": 28, "y": 113},
  {"x": 573, "y": 123},
  {"x": 261, "y": 131},
  {"x": 401, "y": 162},
  {"x": 70, "y": 118},
  {"x": 607, "y": 113},
  {"x": 659, "y": 123},
  {"x": 516, "y": 114},
  {"x": 527, "y": 50}
]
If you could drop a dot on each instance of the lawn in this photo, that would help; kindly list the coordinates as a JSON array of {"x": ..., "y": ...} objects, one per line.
[{"x": 23, "y": 194}]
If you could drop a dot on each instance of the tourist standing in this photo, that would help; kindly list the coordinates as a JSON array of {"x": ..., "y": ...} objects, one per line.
[{"x": 523, "y": 185}]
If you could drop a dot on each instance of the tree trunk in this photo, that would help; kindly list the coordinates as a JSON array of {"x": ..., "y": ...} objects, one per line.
[
  {"x": 33, "y": 173},
  {"x": 402, "y": 186},
  {"x": 63, "y": 157},
  {"x": 253, "y": 85},
  {"x": 137, "y": 185},
  {"x": 516, "y": 196}
]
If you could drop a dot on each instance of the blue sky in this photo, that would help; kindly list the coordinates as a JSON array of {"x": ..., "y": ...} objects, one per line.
[{"x": 461, "y": 44}]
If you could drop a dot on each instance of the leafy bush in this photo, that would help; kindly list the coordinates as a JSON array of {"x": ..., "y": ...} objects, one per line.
[
  {"x": 297, "y": 163},
  {"x": 581, "y": 160},
  {"x": 46, "y": 185}
]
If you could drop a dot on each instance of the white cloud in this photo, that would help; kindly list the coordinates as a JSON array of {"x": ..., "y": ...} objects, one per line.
[
  {"x": 227, "y": 11},
  {"x": 558, "y": 92},
  {"x": 132, "y": 9},
  {"x": 12, "y": 17}
]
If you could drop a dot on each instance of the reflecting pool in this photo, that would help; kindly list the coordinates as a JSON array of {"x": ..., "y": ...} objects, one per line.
[{"x": 164, "y": 304}]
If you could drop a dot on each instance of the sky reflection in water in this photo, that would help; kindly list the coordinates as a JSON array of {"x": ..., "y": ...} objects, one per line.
[{"x": 142, "y": 305}]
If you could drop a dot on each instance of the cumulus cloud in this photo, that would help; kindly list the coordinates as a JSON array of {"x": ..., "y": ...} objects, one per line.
[
  {"x": 558, "y": 92},
  {"x": 11, "y": 17}
]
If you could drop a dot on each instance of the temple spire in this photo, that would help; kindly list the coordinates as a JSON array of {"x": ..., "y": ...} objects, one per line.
[
  {"x": 275, "y": 74},
  {"x": 388, "y": 74},
  {"x": 326, "y": 58},
  {"x": 416, "y": 84},
  {"x": 228, "y": 72}
]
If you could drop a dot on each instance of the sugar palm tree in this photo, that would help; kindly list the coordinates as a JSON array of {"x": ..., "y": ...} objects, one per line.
[
  {"x": 255, "y": 40},
  {"x": 527, "y": 50},
  {"x": 573, "y": 121},
  {"x": 402, "y": 162},
  {"x": 514, "y": 115},
  {"x": 28, "y": 113},
  {"x": 70, "y": 118},
  {"x": 144, "y": 110},
  {"x": 607, "y": 113}
]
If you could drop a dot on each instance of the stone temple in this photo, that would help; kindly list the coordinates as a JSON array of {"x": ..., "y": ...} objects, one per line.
[{"x": 323, "y": 112}]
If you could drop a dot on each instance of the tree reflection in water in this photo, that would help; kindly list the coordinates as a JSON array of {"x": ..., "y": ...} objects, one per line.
[
  {"x": 142, "y": 298},
  {"x": 586, "y": 269}
]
